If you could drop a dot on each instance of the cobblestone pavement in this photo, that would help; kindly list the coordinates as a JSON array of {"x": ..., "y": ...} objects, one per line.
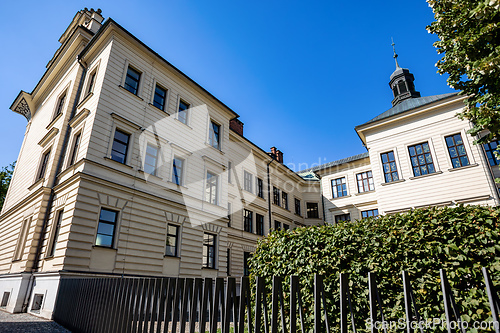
[{"x": 26, "y": 323}]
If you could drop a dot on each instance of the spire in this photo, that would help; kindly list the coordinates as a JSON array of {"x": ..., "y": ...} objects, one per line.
[
  {"x": 395, "y": 56},
  {"x": 401, "y": 82}
]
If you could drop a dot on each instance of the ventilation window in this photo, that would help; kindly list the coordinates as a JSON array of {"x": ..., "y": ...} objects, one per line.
[
  {"x": 5, "y": 299},
  {"x": 37, "y": 303},
  {"x": 402, "y": 87}
]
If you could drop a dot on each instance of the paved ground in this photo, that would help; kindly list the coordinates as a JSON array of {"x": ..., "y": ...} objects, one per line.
[{"x": 26, "y": 323}]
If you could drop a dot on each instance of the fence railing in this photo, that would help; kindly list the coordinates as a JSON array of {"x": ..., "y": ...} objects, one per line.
[{"x": 156, "y": 305}]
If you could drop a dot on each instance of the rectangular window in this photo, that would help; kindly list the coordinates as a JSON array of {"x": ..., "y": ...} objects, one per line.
[
  {"x": 178, "y": 169},
  {"x": 286, "y": 226},
  {"x": 211, "y": 188},
  {"x": 160, "y": 97},
  {"x": 277, "y": 225},
  {"x": 229, "y": 172},
  {"x": 21, "y": 240},
  {"x": 389, "y": 166},
  {"x": 90, "y": 86},
  {"x": 182, "y": 112},
  {"x": 151, "y": 159},
  {"x": 339, "y": 187},
  {"x": 171, "y": 244},
  {"x": 228, "y": 262},
  {"x": 247, "y": 181},
  {"x": 284, "y": 200},
  {"x": 297, "y": 207},
  {"x": 421, "y": 159},
  {"x": 60, "y": 105},
  {"x": 43, "y": 165},
  {"x": 132, "y": 80},
  {"x": 214, "y": 135},
  {"x": 457, "y": 152},
  {"x": 106, "y": 227},
  {"x": 342, "y": 217},
  {"x": 209, "y": 250},
  {"x": 259, "y": 221},
  {"x": 260, "y": 188},
  {"x": 246, "y": 266},
  {"x": 312, "y": 210},
  {"x": 490, "y": 149},
  {"x": 55, "y": 233},
  {"x": 74, "y": 151},
  {"x": 365, "y": 182},
  {"x": 276, "y": 196},
  {"x": 369, "y": 213},
  {"x": 248, "y": 220},
  {"x": 120, "y": 146}
]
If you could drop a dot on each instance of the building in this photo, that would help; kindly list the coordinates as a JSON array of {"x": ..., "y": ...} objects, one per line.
[{"x": 129, "y": 167}]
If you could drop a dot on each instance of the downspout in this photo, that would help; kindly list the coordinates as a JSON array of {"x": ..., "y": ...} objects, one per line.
[
  {"x": 50, "y": 201},
  {"x": 322, "y": 197},
  {"x": 269, "y": 193}
]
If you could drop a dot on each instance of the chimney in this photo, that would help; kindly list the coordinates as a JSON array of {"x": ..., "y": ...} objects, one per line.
[
  {"x": 276, "y": 154},
  {"x": 95, "y": 20},
  {"x": 236, "y": 125}
]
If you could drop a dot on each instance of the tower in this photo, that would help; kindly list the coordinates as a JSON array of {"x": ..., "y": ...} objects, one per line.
[{"x": 401, "y": 83}]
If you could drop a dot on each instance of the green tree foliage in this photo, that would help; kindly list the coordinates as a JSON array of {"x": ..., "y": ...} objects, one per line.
[
  {"x": 469, "y": 33},
  {"x": 460, "y": 240},
  {"x": 5, "y": 177}
]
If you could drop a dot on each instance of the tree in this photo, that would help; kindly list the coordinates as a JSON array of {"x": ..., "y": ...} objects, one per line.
[
  {"x": 469, "y": 38},
  {"x": 5, "y": 177}
]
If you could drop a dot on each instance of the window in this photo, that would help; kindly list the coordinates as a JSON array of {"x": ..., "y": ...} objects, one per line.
[
  {"x": 132, "y": 80},
  {"x": 151, "y": 159},
  {"x": 246, "y": 266},
  {"x": 182, "y": 112},
  {"x": 211, "y": 188},
  {"x": 389, "y": 166},
  {"x": 90, "y": 86},
  {"x": 60, "y": 105},
  {"x": 247, "y": 220},
  {"x": 490, "y": 148},
  {"x": 284, "y": 199},
  {"x": 21, "y": 241},
  {"x": 55, "y": 233},
  {"x": 312, "y": 210},
  {"x": 120, "y": 146},
  {"x": 342, "y": 217},
  {"x": 229, "y": 172},
  {"x": 277, "y": 225},
  {"x": 260, "y": 188},
  {"x": 160, "y": 97},
  {"x": 276, "y": 196},
  {"x": 339, "y": 188},
  {"x": 297, "y": 207},
  {"x": 247, "y": 181},
  {"x": 74, "y": 151},
  {"x": 457, "y": 152},
  {"x": 43, "y": 165},
  {"x": 171, "y": 244},
  {"x": 214, "y": 135},
  {"x": 229, "y": 214},
  {"x": 178, "y": 169},
  {"x": 259, "y": 221},
  {"x": 369, "y": 213},
  {"x": 106, "y": 227},
  {"x": 365, "y": 182},
  {"x": 228, "y": 262},
  {"x": 209, "y": 250},
  {"x": 286, "y": 226},
  {"x": 421, "y": 159}
]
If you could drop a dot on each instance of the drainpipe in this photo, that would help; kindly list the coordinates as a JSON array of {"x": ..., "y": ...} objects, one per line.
[
  {"x": 322, "y": 197},
  {"x": 269, "y": 192},
  {"x": 50, "y": 201}
]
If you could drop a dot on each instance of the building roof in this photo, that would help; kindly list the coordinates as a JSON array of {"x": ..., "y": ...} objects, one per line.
[
  {"x": 407, "y": 105},
  {"x": 307, "y": 172}
]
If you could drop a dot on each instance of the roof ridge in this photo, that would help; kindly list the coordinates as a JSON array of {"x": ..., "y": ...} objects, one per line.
[{"x": 336, "y": 162}]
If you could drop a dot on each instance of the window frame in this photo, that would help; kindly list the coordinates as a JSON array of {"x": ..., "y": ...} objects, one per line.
[
  {"x": 338, "y": 219},
  {"x": 114, "y": 224},
  {"x": 430, "y": 152},
  {"x": 130, "y": 136},
  {"x": 335, "y": 193},
  {"x": 259, "y": 224},
  {"x": 247, "y": 181},
  {"x": 23, "y": 236},
  {"x": 277, "y": 225},
  {"x": 491, "y": 151},
  {"x": 89, "y": 89},
  {"x": 75, "y": 145},
  {"x": 186, "y": 111},
  {"x": 216, "y": 186},
  {"x": 177, "y": 240},
  {"x": 247, "y": 220},
  {"x": 363, "y": 183},
  {"x": 284, "y": 200},
  {"x": 276, "y": 196},
  {"x": 56, "y": 229},
  {"x": 61, "y": 102},
  {"x": 468, "y": 154},
  {"x": 165, "y": 98},
  {"x": 215, "y": 137},
  {"x": 311, "y": 210},
  {"x": 44, "y": 163},
  {"x": 246, "y": 267},
  {"x": 206, "y": 264},
  {"x": 260, "y": 187},
  {"x": 394, "y": 153},
  {"x": 174, "y": 176},
  {"x": 156, "y": 158},
  {"x": 139, "y": 80},
  {"x": 368, "y": 211},
  {"x": 298, "y": 206}
]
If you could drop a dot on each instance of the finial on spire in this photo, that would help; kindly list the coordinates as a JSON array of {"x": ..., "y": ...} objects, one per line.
[{"x": 395, "y": 54}]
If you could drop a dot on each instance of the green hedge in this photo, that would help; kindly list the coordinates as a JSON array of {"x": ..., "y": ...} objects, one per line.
[{"x": 460, "y": 240}]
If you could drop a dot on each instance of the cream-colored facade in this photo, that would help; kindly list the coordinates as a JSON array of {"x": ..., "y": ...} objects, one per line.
[{"x": 129, "y": 167}]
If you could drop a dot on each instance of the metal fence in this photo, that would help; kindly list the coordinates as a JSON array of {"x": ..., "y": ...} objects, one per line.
[{"x": 136, "y": 305}]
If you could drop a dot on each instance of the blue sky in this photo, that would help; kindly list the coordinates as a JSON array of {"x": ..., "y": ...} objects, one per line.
[{"x": 300, "y": 74}]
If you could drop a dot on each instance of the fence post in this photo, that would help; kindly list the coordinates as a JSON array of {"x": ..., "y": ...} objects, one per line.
[
  {"x": 259, "y": 302},
  {"x": 449, "y": 303},
  {"x": 374, "y": 301},
  {"x": 409, "y": 301},
  {"x": 245, "y": 303},
  {"x": 230, "y": 305},
  {"x": 493, "y": 299},
  {"x": 319, "y": 297}
]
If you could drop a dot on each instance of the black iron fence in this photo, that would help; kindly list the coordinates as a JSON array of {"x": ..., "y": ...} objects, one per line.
[{"x": 155, "y": 305}]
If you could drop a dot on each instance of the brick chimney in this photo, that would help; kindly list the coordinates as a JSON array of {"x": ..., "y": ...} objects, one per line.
[
  {"x": 236, "y": 125},
  {"x": 276, "y": 154}
]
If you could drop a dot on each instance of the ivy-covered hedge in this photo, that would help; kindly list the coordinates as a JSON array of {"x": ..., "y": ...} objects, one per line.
[{"x": 460, "y": 240}]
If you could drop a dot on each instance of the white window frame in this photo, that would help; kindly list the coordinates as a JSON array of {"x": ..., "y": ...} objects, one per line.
[
  {"x": 116, "y": 234},
  {"x": 188, "y": 110},
  {"x": 245, "y": 173},
  {"x": 141, "y": 79},
  {"x": 396, "y": 159},
  {"x": 217, "y": 187},
  {"x": 167, "y": 96},
  {"x": 221, "y": 133},
  {"x": 128, "y": 127},
  {"x": 467, "y": 147}
]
